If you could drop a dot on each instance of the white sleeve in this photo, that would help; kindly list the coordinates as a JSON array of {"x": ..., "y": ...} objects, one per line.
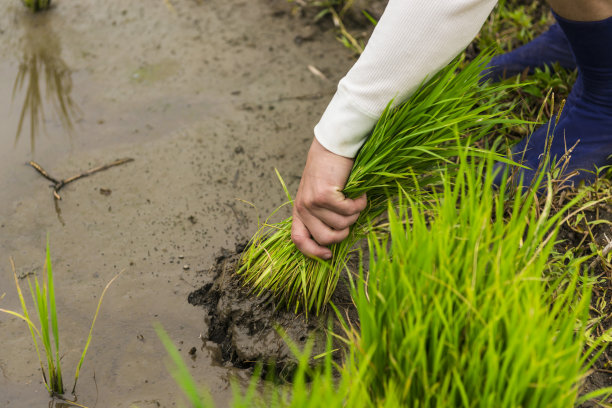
[{"x": 412, "y": 40}]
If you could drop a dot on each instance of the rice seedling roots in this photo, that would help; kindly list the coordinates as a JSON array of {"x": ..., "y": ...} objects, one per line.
[{"x": 244, "y": 327}]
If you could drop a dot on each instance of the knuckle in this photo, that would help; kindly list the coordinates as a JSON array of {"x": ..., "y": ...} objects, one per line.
[
  {"x": 298, "y": 206},
  {"x": 332, "y": 237},
  {"x": 301, "y": 206},
  {"x": 318, "y": 200},
  {"x": 297, "y": 239},
  {"x": 343, "y": 234},
  {"x": 356, "y": 208},
  {"x": 324, "y": 238},
  {"x": 346, "y": 226},
  {"x": 361, "y": 203},
  {"x": 325, "y": 241},
  {"x": 321, "y": 196},
  {"x": 343, "y": 223},
  {"x": 308, "y": 202}
]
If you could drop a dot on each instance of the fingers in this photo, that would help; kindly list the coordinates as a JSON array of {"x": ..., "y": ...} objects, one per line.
[
  {"x": 327, "y": 226},
  {"x": 334, "y": 220},
  {"x": 328, "y": 217},
  {"x": 313, "y": 229},
  {"x": 322, "y": 214},
  {"x": 303, "y": 241},
  {"x": 361, "y": 202},
  {"x": 322, "y": 233},
  {"x": 339, "y": 204},
  {"x": 348, "y": 207}
]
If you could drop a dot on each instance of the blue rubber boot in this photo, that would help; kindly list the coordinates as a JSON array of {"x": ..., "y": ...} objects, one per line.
[
  {"x": 583, "y": 133},
  {"x": 550, "y": 47}
]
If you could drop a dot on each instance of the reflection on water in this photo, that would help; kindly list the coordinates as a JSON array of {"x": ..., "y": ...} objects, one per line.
[
  {"x": 37, "y": 5},
  {"x": 42, "y": 67}
]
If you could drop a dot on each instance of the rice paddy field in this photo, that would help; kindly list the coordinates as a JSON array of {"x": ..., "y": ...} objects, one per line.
[{"x": 160, "y": 125}]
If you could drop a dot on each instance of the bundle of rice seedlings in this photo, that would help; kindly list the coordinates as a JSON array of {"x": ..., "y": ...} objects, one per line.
[{"x": 407, "y": 147}]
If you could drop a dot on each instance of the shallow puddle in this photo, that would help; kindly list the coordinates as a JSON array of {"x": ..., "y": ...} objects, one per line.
[{"x": 207, "y": 98}]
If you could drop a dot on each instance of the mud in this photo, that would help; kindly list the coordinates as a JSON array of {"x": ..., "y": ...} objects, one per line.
[
  {"x": 208, "y": 98},
  {"x": 580, "y": 235},
  {"x": 250, "y": 329}
]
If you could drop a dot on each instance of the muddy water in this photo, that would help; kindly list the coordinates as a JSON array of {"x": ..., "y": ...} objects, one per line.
[{"x": 208, "y": 99}]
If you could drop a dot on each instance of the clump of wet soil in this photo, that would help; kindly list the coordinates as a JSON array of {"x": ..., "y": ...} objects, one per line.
[
  {"x": 247, "y": 328},
  {"x": 577, "y": 235}
]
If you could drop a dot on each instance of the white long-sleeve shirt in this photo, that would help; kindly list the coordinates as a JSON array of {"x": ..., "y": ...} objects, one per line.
[{"x": 413, "y": 40}]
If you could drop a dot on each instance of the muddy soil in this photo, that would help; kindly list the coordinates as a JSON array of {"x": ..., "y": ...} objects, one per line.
[
  {"x": 244, "y": 327},
  {"x": 207, "y": 98},
  {"x": 578, "y": 235}
]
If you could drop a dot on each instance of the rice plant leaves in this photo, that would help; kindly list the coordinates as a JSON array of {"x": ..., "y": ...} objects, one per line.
[
  {"x": 408, "y": 146},
  {"x": 53, "y": 313},
  {"x": 285, "y": 189},
  {"x": 181, "y": 374},
  {"x": 89, "y": 336}
]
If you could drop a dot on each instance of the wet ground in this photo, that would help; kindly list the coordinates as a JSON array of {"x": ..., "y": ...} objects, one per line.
[
  {"x": 207, "y": 98},
  {"x": 245, "y": 329}
]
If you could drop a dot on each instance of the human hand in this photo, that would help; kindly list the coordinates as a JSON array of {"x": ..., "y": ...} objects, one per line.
[{"x": 322, "y": 215}]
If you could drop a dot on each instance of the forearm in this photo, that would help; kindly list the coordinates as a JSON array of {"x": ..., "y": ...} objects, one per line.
[{"x": 413, "y": 40}]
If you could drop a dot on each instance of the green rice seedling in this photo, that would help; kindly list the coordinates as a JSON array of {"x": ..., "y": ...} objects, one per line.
[
  {"x": 324, "y": 385},
  {"x": 37, "y": 5},
  {"x": 197, "y": 396},
  {"x": 407, "y": 147},
  {"x": 46, "y": 334},
  {"x": 458, "y": 311}
]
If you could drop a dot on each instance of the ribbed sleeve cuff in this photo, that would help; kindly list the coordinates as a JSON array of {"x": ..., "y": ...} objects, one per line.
[{"x": 343, "y": 128}]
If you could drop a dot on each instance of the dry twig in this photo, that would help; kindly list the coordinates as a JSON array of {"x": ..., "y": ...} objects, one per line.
[{"x": 59, "y": 184}]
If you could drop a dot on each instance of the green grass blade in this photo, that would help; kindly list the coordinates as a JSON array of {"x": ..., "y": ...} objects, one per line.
[
  {"x": 408, "y": 146},
  {"x": 39, "y": 297},
  {"x": 90, "y": 335},
  {"x": 285, "y": 189},
  {"x": 31, "y": 325},
  {"x": 53, "y": 314},
  {"x": 26, "y": 317},
  {"x": 181, "y": 375}
]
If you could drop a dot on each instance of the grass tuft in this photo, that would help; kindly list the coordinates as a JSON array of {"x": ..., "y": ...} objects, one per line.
[
  {"x": 46, "y": 334},
  {"x": 458, "y": 309}
]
